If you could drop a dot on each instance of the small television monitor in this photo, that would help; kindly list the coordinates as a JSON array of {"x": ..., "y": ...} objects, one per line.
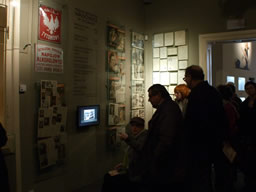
[{"x": 88, "y": 115}]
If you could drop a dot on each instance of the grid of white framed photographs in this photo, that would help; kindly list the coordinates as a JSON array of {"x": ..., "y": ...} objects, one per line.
[{"x": 170, "y": 59}]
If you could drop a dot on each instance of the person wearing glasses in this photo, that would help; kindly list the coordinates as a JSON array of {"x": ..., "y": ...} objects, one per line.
[
  {"x": 161, "y": 152},
  {"x": 205, "y": 125}
]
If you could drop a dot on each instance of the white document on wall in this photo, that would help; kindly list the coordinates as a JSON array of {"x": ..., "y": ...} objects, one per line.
[
  {"x": 156, "y": 64},
  {"x": 181, "y": 75},
  {"x": 173, "y": 63},
  {"x": 159, "y": 40},
  {"x": 156, "y": 77},
  {"x": 163, "y": 65},
  {"x": 164, "y": 78},
  {"x": 173, "y": 77},
  {"x": 156, "y": 52},
  {"x": 47, "y": 152},
  {"x": 163, "y": 52},
  {"x": 120, "y": 95},
  {"x": 183, "y": 52},
  {"x": 183, "y": 64},
  {"x": 171, "y": 89},
  {"x": 168, "y": 39},
  {"x": 172, "y": 51},
  {"x": 180, "y": 38}
]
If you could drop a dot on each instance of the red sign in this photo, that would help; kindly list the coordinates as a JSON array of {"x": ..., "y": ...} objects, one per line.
[
  {"x": 48, "y": 59},
  {"x": 49, "y": 24}
]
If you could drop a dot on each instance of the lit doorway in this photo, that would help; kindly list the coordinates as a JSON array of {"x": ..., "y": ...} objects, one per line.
[{"x": 208, "y": 41}]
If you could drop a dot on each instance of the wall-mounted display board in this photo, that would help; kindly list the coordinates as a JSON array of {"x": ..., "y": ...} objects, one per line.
[
  {"x": 51, "y": 129},
  {"x": 115, "y": 62},
  {"x": 137, "y": 76},
  {"x": 170, "y": 58}
]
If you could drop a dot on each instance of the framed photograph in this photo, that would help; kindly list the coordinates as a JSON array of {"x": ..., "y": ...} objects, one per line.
[
  {"x": 181, "y": 75},
  {"x": 137, "y": 40},
  {"x": 183, "y": 64},
  {"x": 183, "y": 52},
  {"x": 172, "y": 51},
  {"x": 116, "y": 114},
  {"x": 163, "y": 65},
  {"x": 156, "y": 77},
  {"x": 163, "y": 52},
  {"x": 171, "y": 89},
  {"x": 173, "y": 78},
  {"x": 138, "y": 72},
  {"x": 243, "y": 55},
  {"x": 156, "y": 64},
  {"x": 159, "y": 40},
  {"x": 137, "y": 56},
  {"x": 180, "y": 37},
  {"x": 115, "y": 37},
  {"x": 156, "y": 52},
  {"x": 172, "y": 63},
  {"x": 113, "y": 62},
  {"x": 168, "y": 39},
  {"x": 164, "y": 78}
]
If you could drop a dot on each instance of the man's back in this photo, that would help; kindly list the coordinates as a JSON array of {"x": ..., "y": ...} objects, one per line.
[{"x": 205, "y": 123}]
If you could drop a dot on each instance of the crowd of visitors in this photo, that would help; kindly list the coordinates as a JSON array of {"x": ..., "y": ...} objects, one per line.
[{"x": 197, "y": 142}]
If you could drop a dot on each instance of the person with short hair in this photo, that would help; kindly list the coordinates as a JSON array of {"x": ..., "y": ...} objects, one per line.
[
  {"x": 248, "y": 135},
  {"x": 126, "y": 175},
  {"x": 161, "y": 152},
  {"x": 236, "y": 101},
  {"x": 205, "y": 125}
]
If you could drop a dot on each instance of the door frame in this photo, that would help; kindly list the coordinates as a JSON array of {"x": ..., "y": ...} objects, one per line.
[{"x": 205, "y": 39}]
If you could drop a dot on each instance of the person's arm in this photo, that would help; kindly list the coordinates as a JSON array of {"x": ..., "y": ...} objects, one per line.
[
  {"x": 136, "y": 144},
  {"x": 3, "y": 136}
]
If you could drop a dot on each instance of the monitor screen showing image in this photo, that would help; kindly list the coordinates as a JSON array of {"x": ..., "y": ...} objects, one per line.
[{"x": 88, "y": 115}]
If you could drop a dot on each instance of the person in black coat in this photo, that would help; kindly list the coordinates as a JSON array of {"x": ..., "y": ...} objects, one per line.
[
  {"x": 205, "y": 127},
  {"x": 4, "y": 184},
  {"x": 248, "y": 137},
  {"x": 161, "y": 150}
]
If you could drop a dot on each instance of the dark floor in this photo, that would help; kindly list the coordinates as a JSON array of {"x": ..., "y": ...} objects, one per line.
[{"x": 96, "y": 187}]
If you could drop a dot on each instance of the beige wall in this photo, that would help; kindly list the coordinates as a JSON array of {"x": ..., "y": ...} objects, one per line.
[{"x": 87, "y": 155}]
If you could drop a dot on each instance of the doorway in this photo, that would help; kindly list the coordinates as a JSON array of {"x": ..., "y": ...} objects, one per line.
[
  {"x": 209, "y": 42},
  {"x": 205, "y": 41}
]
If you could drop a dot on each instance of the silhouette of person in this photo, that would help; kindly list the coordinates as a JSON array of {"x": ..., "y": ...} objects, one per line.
[{"x": 4, "y": 181}]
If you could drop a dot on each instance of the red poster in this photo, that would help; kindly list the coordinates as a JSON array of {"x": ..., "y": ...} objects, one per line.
[{"x": 49, "y": 24}]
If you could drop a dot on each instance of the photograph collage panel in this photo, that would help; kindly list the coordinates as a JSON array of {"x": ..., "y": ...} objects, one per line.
[
  {"x": 137, "y": 75},
  {"x": 116, "y": 76}
]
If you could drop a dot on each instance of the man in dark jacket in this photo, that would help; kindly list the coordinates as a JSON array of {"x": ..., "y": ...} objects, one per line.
[
  {"x": 205, "y": 125},
  {"x": 161, "y": 149}
]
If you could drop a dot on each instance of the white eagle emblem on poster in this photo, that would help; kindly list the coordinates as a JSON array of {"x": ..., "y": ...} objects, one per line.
[{"x": 50, "y": 24}]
